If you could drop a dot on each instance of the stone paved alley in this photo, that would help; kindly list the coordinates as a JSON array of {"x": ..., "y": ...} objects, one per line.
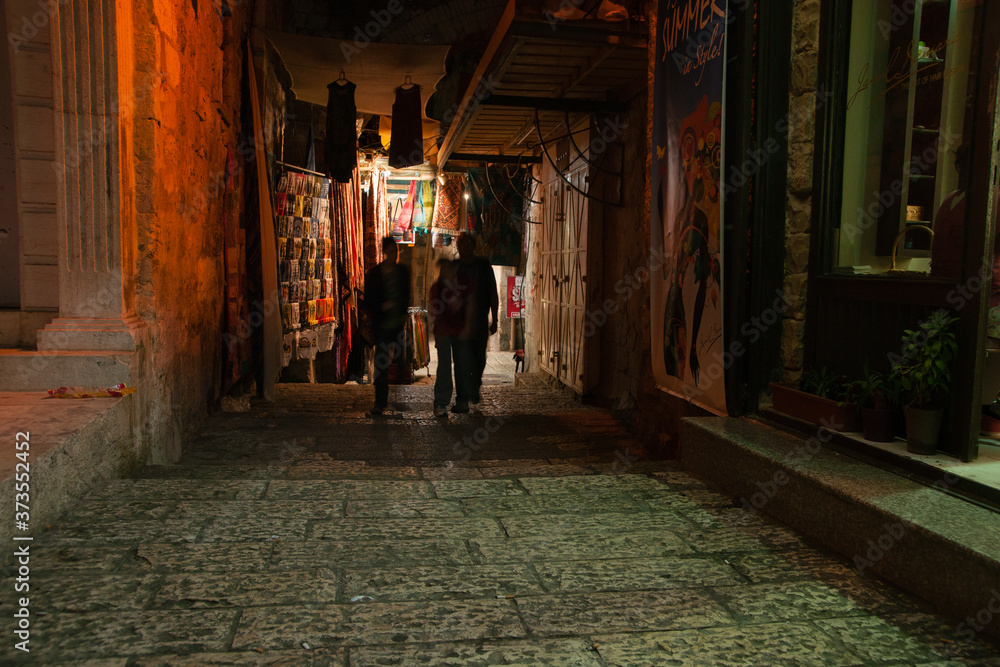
[{"x": 306, "y": 533}]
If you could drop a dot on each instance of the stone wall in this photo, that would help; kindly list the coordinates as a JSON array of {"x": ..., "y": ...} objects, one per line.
[
  {"x": 188, "y": 73},
  {"x": 802, "y": 134},
  {"x": 624, "y": 301}
]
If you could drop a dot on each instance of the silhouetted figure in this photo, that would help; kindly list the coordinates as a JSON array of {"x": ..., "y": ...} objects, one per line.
[
  {"x": 486, "y": 302},
  {"x": 450, "y": 305},
  {"x": 387, "y": 300}
]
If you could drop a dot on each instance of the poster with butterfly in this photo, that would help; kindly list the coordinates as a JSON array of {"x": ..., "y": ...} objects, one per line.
[{"x": 686, "y": 211}]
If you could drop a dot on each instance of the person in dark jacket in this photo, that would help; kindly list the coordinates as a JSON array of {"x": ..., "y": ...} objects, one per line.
[
  {"x": 387, "y": 300},
  {"x": 486, "y": 302}
]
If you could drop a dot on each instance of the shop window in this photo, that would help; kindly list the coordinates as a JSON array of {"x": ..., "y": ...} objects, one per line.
[{"x": 908, "y": 124}]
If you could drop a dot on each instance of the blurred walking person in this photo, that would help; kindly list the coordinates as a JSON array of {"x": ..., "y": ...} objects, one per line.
[
  {"x": 451, "y": 307},
  {"x": 485, "y": 304},
  {"x": 387, "y": 300}
]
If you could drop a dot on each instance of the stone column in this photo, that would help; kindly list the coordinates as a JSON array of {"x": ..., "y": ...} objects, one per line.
[{"x": 94, "y": 100}]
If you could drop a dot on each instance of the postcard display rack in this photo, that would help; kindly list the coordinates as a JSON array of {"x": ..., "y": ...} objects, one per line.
[{"x": 306, "y": 265}]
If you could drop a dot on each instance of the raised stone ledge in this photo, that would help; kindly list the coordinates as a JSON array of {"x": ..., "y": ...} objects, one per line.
[
  {"x": 74, "y": 444},
  {"x": 939, "y": 547}
]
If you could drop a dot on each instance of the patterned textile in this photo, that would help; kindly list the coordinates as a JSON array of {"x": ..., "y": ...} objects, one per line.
[{"x": 448, "y": 208}]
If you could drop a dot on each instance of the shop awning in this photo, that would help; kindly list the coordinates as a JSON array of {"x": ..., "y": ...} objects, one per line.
[{"x": 539, "y": 69}]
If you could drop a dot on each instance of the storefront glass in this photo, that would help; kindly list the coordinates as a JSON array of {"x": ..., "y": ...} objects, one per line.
[{"x": 908, "y": 127}]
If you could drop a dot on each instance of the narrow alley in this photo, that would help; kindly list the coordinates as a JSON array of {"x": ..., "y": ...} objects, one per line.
[{"x": 531, "y": 531}]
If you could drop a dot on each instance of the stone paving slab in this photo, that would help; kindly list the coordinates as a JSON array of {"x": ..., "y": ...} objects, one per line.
[
  {"x": 246, "y": 589},
  {"x": 349, "y": 489},
  {"x": 290, "y": 658},
  {"x": 334, "y": 472},
  {"x": 723, "y": 541},
  {"x": 69, "y": 559},
  {"x": 374, "y": 623},
  {"x": 404, "y": 529},
  {"x": 225, "y": 488},
  {"x": 578, "y": 547},
  {"x": 635, "y": 574},
  {"x": 633, "y": 611},
  {"x": 564, "y": 503},
  {"x": 89, "y": 592},
  {"x": 120, "y": 509},
  {"x": 240, "y": 556},
  {"x": 442, "y": 583},
  {"x": 536, "y": 653},
  {"x": 792, "y": 644},
  {"x": 254, "y": 529},
  {"x": 114, "y": 634},
  {"x": 271, "y": 509},
  {"x": 129, "y": 532},
  {"x": 453, "y": 473},
  {"x": 521, "y": 470},
  {"x": 562, "y": 524},
  {"x": 562, "y": 485},
  {"x": 768, "y": 603},
  {"x": 477, "y": 488},
  {"x": 877, "y": 640},
  {"x": 404, "y": 508},
  {"x": 767, "y": 567},
  {"x": 369, "y": 554}
]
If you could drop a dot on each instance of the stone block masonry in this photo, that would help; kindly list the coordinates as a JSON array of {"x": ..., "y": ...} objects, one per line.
[{"x": 188, "y": 68}]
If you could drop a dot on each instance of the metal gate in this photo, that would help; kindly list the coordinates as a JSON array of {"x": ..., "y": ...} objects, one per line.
[{"x": 563, "y": 277}]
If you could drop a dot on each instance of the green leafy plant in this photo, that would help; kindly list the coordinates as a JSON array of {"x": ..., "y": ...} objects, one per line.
[
  {"x": 825, "y": 383},
  {"x": 877, "y": 390},
  {"x": 924, "y": 369}
]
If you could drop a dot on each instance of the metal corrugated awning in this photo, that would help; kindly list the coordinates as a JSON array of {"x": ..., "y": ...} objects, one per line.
[{"x": 538, "y": 70}]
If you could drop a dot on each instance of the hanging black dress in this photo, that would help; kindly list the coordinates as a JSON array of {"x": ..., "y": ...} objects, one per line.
[
  {"x": 341, "y": 132},
  {"x": 406, "y": 141}
]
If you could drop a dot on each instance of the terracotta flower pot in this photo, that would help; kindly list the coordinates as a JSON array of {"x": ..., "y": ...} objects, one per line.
[
  {"x": 815, "y": 409},
  {"x": 923, "y": 428},
  {"x": 877, "y": 425}
]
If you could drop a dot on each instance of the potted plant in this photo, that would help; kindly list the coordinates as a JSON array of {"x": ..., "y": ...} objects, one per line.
[
  {"x": 924, "y": 375},
  {"x": 821, "y": 398},
  {"x": 877, "y": 397}
]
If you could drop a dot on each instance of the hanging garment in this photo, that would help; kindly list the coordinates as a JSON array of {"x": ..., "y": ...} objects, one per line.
[
  {"x": 419, "y": 216},
  {"x": 406, "y": 216},
  {"x": 341, "y": 132},
  {"x": 406, "y": 145},
  {"x": 448, "y": 207}
]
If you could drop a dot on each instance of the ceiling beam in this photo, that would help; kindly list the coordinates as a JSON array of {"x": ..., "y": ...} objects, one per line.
[
  {"x": 555, "y": 104},
  {"x": 496, "y": 159}
]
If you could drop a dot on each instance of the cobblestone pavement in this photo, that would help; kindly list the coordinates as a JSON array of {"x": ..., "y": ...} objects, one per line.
[{"x": 529, "y": 532}]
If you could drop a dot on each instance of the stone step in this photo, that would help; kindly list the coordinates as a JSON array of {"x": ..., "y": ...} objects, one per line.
[
  {"x": 73, "y": 445},
  {"x": 940, "y": 547},
  {"x": 30, "y": 370}
]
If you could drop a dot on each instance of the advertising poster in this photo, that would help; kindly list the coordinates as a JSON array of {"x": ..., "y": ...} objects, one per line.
[
  {"x": 686, "y": 211},
  {"x": 515, "y": 296}
]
